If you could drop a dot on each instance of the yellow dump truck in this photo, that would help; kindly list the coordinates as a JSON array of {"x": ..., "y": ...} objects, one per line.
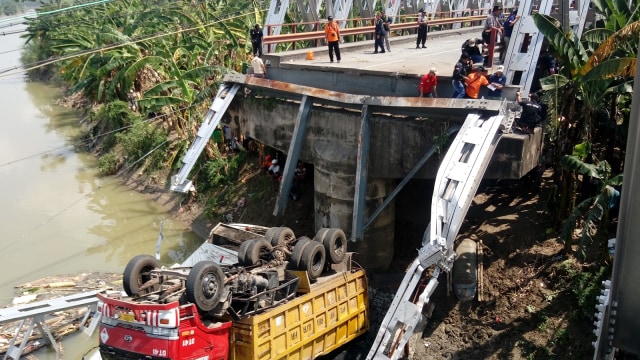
[{"x": 280, "y": 297}]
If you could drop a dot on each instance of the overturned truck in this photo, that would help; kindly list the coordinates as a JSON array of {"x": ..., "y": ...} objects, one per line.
[{"x": 278, "y": 296}]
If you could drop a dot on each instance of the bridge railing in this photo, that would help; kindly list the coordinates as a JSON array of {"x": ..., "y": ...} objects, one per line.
[{"x": 360, "y": 29}]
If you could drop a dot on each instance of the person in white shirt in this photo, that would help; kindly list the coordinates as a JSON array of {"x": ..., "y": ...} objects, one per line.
[
  {"x": 274, "y": 169},
  {"x": 259, "y": 70},
  {"x": 422, "y": 29}
]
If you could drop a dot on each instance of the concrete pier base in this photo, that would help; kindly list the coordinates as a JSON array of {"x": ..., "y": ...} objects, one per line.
[{"x": 334, "y": 184}]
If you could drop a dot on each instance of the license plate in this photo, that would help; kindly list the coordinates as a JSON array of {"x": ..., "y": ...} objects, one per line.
[{"x": 127, "y": 317}]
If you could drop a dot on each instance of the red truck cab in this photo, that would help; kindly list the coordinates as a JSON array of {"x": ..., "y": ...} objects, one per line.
[{"x": 159, "y": 331}]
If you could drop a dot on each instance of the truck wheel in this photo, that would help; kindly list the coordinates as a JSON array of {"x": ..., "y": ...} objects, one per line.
[
  {"x": 136, "y": 273},
  {"x": 313, "y": 260},
  {"x": 279, "y": 235},
  {"x": 256, "y": 248},
  {"x": 242, "y": 250},
  {"x": 320, "y": 235},
  {"x": 205, "y": 284},
  {"x": 294, "y": 261},
  {"x": 335, "y": 244}
]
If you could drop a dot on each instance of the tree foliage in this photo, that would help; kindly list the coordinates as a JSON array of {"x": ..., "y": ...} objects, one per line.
[
  {"x": 170, "y": 54},
  {"x": 587, "y": 101}
]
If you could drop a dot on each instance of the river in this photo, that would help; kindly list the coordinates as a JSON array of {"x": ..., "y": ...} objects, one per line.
[{"x": 58, "y": 216}]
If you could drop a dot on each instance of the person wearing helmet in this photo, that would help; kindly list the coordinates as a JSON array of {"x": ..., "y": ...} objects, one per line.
[{"x": 274, "y": 169}]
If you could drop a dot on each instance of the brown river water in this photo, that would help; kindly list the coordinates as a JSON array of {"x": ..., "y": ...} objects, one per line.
[{"x": 58, "y": 217}]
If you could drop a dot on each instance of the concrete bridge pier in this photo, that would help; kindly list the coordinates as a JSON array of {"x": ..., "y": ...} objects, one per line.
[{"x": 335, "y": 186}]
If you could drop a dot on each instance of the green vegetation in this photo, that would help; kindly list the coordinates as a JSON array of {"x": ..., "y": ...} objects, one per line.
[
  {"x": 107, "y": 164},
  {"x": 144, "y": 142},
  {"x": 170, "y": 56},
  {"x": 589, "y": 101},
  {"x": 587, "y": 286}
]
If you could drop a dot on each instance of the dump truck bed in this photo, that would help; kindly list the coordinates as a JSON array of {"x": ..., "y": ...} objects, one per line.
[{"x": 333, "y": 312}]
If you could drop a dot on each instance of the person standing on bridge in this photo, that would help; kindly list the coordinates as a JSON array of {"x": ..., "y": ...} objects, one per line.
[
  {"x": 332, "y": 35},
  {"x": 476, "y": 79},
  {"x": 256, "y": 40},
  {"x": 492, "y": 24},
  {"x": 422, "y": 29},
  {"x": 386, "y": 27},
  {"x": 379, "y": 35},
  {"x": 508, "y": 30},
  {"x": 429, "y": 84},
  {"x": 460, "y": 72}
]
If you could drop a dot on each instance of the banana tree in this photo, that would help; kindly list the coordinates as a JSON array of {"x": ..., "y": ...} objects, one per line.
[
  {"x": 586, "y": 97},
  {"x": 591, "y": 216}
]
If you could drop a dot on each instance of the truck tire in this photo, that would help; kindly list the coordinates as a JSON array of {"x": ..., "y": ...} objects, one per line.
[
  {"x": 335, "y": 243},
  {"x": 294, "y": 261},
  {"x": 136, "y": 273},
  {"x": 256, "y": 248},
  {"x": 242, "y": 250},
  {"x": 205, "y": 285},
  {"x": 313, "y": 260},
  {"x": 320, "y": 235},
  {"x": 279, "y": 235}
]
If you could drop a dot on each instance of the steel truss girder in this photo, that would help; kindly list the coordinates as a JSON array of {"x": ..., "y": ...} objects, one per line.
[
  {"x": 34, "y": 315},
  {"x": 524, "y": 47},
  {"x": 456, "y": 183},
  {"x": 359, "y": 230},
  {"x": 217, "y": 109},
  {"x": 310, "y": 10}
]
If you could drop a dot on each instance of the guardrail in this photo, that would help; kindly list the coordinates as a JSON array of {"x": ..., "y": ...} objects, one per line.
[{"x": 406, "y": 23}]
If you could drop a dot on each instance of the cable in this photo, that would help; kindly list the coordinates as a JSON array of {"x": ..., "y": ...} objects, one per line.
[
  {"x": 77, "y": 201},
  {"x": 87, "y": 141},
  {"x": 66, "y": 23},
  {"x": 114, "y": 46},
  {"x": 87, "y": 353},
  {"x": 45, "y": 13},
  {"x": 59, "y": 22},
  {"x": 8, "y": 51}
]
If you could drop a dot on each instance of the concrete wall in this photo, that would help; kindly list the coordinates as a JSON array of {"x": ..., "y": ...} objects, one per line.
[{"x": 397, "y": 142}]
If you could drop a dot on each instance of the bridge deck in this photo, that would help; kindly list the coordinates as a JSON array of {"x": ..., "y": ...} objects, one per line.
[
  {"x": 442, "y": 52},
  {"x": 395, "y": 73}
]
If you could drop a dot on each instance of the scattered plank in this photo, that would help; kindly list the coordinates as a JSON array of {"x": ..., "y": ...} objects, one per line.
[{"x": 60, "y": 323}]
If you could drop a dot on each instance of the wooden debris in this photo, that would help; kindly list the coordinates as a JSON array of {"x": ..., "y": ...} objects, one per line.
[
  {"x": 60, "y": 323},
  {"x": 60, "y": 284}
]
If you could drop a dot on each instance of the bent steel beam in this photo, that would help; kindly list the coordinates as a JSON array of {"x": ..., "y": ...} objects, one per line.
[
  {"x": 452, "y": 130},
  {"x": 458, "y": 178},
  {"x": 299, "y": 133},
  {"x": 364, "y": 141},
  {"x": 227, "y": 91}
]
